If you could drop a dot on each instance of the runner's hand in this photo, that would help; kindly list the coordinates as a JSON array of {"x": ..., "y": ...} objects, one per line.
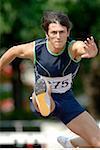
[{"x": 91, "y": 49}]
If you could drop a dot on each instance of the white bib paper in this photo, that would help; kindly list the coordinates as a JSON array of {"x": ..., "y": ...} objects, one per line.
[{"x": 60, "y": 84}]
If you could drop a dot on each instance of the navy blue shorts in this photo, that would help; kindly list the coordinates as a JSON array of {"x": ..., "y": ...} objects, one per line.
[{"x": 66, "y": 107}]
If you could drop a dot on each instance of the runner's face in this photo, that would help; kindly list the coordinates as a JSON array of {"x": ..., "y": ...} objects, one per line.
[{"x": 57, "y": 37}]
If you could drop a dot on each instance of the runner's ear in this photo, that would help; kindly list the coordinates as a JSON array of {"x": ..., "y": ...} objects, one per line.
[{"x": 47, "y": 37}]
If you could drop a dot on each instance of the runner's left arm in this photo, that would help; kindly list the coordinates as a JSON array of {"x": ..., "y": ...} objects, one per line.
[{"x": 80, "y": 49}]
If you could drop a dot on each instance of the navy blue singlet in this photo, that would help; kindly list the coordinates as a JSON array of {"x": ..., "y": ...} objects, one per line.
[
  {"x": 50, "y": 65},
  {"x": 59, "y": 70}
]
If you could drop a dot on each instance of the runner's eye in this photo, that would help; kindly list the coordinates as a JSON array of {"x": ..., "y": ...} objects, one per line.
[
  {"x": 54, "y": 32},
  {"x": 61, "y": 31}
]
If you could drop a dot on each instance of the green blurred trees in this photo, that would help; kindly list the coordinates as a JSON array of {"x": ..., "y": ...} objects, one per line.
[{"x": 20, "y": 20}]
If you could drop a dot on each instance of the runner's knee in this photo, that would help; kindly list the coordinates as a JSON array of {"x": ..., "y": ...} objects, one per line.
[
  {"x": 34, "y": 103},
  {"x": 52, "y": 104},
  {"x": 96, "y": 141}
]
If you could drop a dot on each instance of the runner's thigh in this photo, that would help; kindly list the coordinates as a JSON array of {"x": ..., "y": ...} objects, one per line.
[{"x": 85, "y": 126}]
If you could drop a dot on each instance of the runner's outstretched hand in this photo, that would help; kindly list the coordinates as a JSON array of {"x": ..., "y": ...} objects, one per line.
[{"x": 91, "y": 49}]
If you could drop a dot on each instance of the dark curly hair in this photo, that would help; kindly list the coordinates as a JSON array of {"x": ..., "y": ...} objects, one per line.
[{"x": 54, "y": 17}]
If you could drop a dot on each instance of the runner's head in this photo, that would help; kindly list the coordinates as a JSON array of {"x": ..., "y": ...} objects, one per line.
[{"x": 55, "y": 17}]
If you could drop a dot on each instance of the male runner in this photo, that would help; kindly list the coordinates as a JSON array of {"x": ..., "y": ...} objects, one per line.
[{"x": 56, "y": 61}]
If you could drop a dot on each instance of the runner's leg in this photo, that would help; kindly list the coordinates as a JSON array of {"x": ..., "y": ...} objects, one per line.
[
  {"x": 36, "y": 106},
  {"x": 85, "y": 126}
]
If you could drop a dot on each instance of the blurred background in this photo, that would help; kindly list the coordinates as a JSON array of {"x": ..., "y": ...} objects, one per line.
[{"x": 20, "y": 22}]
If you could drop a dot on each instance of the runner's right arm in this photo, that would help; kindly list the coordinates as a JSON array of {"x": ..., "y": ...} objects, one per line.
[{"x": 20, "y": 51}]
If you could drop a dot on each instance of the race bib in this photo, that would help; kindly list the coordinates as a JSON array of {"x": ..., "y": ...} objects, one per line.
[{"x": 60, "y": 84}]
